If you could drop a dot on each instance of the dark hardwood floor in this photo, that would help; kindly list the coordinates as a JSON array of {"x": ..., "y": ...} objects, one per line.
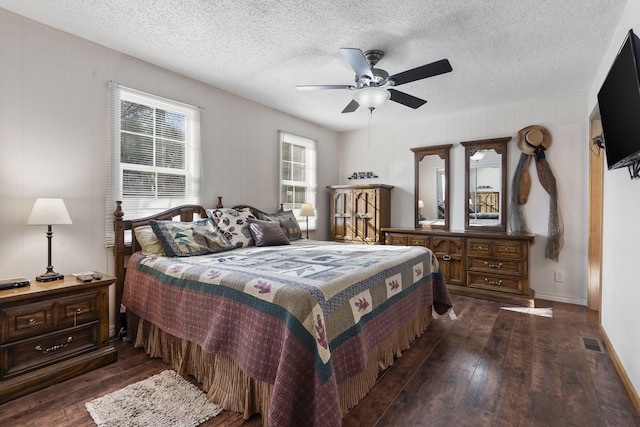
[{"x": 490, "y": 367}]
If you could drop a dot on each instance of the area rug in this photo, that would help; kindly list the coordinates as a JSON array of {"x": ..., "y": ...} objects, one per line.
[{"x": 165, "y": 399}]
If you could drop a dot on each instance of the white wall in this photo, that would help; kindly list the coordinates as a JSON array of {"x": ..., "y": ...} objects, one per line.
[
  {"x": 620, "y": 316},
  {"x": 53, "y": 102},
  {"x": 387, "y": 152}
]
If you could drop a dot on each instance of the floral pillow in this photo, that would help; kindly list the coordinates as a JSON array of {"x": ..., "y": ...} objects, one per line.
[
  {"x": 190, "y": 238},
  {"x": 234, "y": 225},
  {"x": 288, "y": 223}
]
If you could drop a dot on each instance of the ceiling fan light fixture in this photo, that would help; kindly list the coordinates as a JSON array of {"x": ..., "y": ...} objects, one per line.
[
  {"x": 372, "y": 97},
  {"x": 478, "y": 155}
]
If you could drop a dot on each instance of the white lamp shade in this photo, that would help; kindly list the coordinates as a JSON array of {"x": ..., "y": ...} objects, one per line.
[
  {"x": 49, "y": 212},
  {"x": 372, "y": 97},
  {"x": 307, "y": 210},
  {"x": 420, "y": 204}
]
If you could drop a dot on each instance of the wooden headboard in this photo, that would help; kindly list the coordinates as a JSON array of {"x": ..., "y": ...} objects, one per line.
[{"x": 123, "y": 249}]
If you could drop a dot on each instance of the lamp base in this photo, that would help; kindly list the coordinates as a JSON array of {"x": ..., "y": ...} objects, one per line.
[{"x": 49, "y": 276}]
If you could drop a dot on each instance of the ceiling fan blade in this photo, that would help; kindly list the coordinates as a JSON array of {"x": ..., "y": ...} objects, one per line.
[
  {"x": 319, "y": 87},
  {"x": 351, "y": 107},
  {"x": 406, "y": 99},
  {"x": 358, "y": 61},
  {"x": 429, "y": 70}
]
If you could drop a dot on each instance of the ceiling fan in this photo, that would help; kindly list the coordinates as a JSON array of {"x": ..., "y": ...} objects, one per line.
[{"x": 374, "y": 86}]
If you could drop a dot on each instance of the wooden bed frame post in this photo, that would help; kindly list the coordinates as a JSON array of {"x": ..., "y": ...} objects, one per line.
[{"x": 118, "y": 228}]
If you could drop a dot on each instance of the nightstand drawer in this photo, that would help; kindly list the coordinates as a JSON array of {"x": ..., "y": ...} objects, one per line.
[
  {"x": 78, "y": 309},
  {"x": 28, "y": 320},
  {"x": 34, "y": 353}
]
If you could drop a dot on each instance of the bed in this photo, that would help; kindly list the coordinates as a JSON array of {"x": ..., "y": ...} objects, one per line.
[{"x": 297, "y": 332}]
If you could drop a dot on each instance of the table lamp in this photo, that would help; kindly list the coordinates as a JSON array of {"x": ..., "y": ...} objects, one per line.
[
  {"x": 49, "y": 212},
  {"x": 420, "y": 206},
  {"x": 307, "y": 211}
]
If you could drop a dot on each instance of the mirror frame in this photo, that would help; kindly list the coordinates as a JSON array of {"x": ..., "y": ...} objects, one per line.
[
  {"x": 500, "y": 147},
  {"x": 419, "y": 153}
]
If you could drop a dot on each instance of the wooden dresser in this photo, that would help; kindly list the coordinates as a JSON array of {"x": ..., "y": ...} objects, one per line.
[
  {"x": 490, "y": 265},
  {"x": 52, "y": 331},
  {"x": 358, "y": 212}
]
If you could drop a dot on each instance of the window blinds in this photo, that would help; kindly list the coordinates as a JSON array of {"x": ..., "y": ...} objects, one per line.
[{"x": 153, "y": 154}]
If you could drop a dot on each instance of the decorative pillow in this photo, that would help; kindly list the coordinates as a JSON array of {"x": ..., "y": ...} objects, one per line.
[
  {"x": 233, "y": 225},
  {"x": 190, "y": 238},
  {"x": 149, "y": 242},
  {"x": 288, "y": 223},
  {"x": 267, "y": 233}
]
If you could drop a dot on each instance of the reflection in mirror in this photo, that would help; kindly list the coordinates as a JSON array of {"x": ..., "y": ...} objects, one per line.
[
  {"x": 486, "y": 184},
  {"x": 431, "y": 187},
  {"x": 484, "y": 189}
]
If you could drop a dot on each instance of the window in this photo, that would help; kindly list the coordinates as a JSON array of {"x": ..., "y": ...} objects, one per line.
[
  {"x": 154, "y": 154},
  {"x": 297, "y": 174}
]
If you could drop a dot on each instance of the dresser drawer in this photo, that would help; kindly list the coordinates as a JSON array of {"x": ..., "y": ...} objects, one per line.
[
  {"x": 78, "y": 309},
  {"x": 419, "y": 241},
  {"x": 34, "y": 353},
  {"x": 396, "y": 240},
  {"x": 493, "y": 265},
  {"x": 479, "y": 247},
  {"x": 28, "y": 320},
  {"x": 493, "y": 282},
  {"x": 497, "y": 248},
  {"x": 508, "y": 249}
]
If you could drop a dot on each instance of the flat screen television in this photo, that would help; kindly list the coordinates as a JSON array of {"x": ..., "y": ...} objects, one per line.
[{"x": 619, "y": 103}]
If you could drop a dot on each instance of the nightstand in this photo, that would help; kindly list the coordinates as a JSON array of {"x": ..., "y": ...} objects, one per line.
[{"x": 52, "y": 331}]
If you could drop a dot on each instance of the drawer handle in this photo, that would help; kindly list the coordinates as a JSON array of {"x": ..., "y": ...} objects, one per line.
[
  {"x": 446, "y": 257},
  {"x": 55, "y": 347},
  {"x": 31, "y": 321},
  {"x": 498, "y": 283},
  {"x": 498, "y": 265},
  {"x": 75, "y": 316},
  {"x": 480, "y": 247}
]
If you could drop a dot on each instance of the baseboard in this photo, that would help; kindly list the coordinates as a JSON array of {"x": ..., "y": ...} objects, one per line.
[
  {"x": 631, "y": 391},
  {"x": 560, "y": 298}
]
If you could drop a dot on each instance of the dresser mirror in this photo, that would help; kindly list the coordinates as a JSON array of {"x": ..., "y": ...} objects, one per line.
[
  {"x": 486, "y": 184},
  {"x": 431, "y": 195}
]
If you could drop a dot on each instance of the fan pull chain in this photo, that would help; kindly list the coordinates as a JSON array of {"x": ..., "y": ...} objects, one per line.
[{"x": 370, "y": 114}]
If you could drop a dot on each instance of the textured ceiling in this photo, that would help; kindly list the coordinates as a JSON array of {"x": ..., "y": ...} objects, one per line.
[{"x": 501, "y": 51}]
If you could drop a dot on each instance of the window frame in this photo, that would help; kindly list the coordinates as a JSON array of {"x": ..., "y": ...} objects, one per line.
[
  {"x": 311, "y": 177},
  {"x": 141, "y": 206}
]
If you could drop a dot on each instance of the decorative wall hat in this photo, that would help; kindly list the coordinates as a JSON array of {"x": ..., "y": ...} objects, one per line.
[{"x": 533, "y": 138}]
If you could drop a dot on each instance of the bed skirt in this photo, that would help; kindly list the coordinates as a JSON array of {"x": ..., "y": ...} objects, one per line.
[{"x": 228, "y": 386}]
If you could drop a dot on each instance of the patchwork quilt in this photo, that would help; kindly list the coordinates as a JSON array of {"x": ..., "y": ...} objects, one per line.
[{"x": 302, "y": 317}]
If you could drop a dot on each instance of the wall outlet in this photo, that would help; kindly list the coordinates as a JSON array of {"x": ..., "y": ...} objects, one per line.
[{"x": 558, "y": 276}]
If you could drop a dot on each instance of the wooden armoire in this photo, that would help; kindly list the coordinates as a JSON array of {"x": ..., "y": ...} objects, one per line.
[{"x": 358, "y": 212}]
